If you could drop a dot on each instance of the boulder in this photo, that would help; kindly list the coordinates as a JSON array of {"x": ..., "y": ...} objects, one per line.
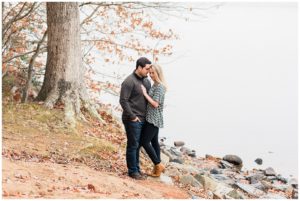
[
  {"x": 172, "y": 171},
  {"x": 189, "y": 180},
  {"x": 282, "y": 179},
  {"x": 235, "y": 195},
  {"x": 271, "y": 178},
  {"x": 223, "y": 178},
  {"x": 215, "y": 171},
  {"x": 162, "y": 139},
  {"x": 192, "y": 153},
  {"x": 295, "y": 194},
  {"x": 255, "y": 178},
  {"x": 184, "y": 150},
  {"x": 260, "y": 186},
  {"x": 225, "y": 164},
  {"x": 259, "y": 161},
  {"x": 273, "y": 196},
  {"x": 250, "y": 189},
  {"x": 233, "y": 159},
  {"x": 161, "y": 144},
  {"x": 172, "y": 158},
  {"x": 219, "y": 190},
  {"x": 185, "y": 169},
  {"x": 270, "y": 172},
  {"x": 177, "y": 160},
  {"x": 266, "y": 184},
  {"x": 281, "y": 187},
  {"x": 194, "y": 197},
  {"x": 207, "y": 182},
  {"x": 178, "y": 143},
  {"x": 222, "y": 191},
  {"x": 174, "y": 152},
  {"x": 294, "y": 183}
]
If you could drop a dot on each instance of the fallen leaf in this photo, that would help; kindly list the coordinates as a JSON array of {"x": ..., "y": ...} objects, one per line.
[
  {"x": 91, "y": 187},
  {"x": 5, "y": 194}
]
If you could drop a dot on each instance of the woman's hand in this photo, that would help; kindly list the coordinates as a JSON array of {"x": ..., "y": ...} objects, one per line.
[{"x": 144, "y": 89}]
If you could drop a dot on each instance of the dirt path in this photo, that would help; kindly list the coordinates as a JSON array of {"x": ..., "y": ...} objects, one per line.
[{"x": 22, "y": 179}]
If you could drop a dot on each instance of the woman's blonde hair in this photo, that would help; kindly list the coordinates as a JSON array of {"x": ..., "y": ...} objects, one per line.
[{"x": 160, "y": 74}]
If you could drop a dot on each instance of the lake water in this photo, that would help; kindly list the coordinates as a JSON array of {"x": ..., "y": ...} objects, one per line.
[{"x": 233, "y": 85}]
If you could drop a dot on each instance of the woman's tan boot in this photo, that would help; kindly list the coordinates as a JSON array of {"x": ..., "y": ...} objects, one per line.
[{"x": 159, "y": 168}]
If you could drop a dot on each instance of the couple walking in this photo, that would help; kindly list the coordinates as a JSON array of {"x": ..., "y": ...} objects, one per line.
[{"x": 143, "y": 115}]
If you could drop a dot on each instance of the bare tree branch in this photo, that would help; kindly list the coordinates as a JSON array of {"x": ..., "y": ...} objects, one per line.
[
  {"x": 91, "y": 15},
  {"x": 30, "y": 67},
  {"x": 43, "y": 49},
  {"x": 6, "y": 26},
  {"x": 113, "y": 43}
]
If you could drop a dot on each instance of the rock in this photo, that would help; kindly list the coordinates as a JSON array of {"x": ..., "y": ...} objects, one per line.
[
  {"x": 233, "y": 159},
  {"x": 222, "y": 178},
  {"x": 175, "y": 152},
  {"x": 172, "y": 171},
  {"x": 238, "y": 176},
  {"x": 162, "y": 139},
  {"x": 250, "y": 190},
  {"x": 172, "y": 158},
  {"x": 294, "y": 183},
  {"x": 225, "y": 164},
  {"x": 215, "y": 171},
  {"x": 209, "y": 194},
  {"x": 273, "y": 196},
  {"x": 167, "y": 153},
  {"x": 266, "y": 184},
  {"x": 191, "y": 153},
  {"x": 270, "y": 172},
  {"x": 177, "y": 160},
  {"x": 271, "y": 178},
  {"x": 280, "y": 178},
  {"x": 184, "y": 150},
  {"x": 207, "y": 182},
  {"x": 259, "y": 161},
  {"x": 222, "y": 191},
  {"x": 281, "y": 187},
  {"x": 185, "y": 169},
  {"x": 207, "y": 156},
  {"x": 219, "y": 177},
  {"x": 178, "y": 143},
  {"x": 260, "y": 186},
  {"x": 194, "y": 197},
  {"x": 295, "y": 194},
  {"x": 164, "y": 158},
  {"x": 161, "y": 144},
  {"x": 189, "y": 180},
  {"x": 166, "y": 179},
  {"x": 235, "y": 195},
  {"x": 219, "y": 190}
]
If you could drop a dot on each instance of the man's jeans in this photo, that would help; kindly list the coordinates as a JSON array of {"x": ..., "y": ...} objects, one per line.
[{"x": 133, "y": 132}]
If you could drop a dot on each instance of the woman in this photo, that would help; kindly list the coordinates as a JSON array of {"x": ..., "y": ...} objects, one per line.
[{"x": 154, "y": 118}]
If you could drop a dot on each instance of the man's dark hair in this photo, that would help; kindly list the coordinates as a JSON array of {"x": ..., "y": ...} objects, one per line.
[{"x": 143, "y": 61}]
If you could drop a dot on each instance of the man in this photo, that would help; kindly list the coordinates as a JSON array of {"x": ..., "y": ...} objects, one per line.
[{"x": 134, "y": 107}]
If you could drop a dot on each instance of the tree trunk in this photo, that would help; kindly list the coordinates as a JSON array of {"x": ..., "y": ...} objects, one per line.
[{"x": 64, "y": 77}]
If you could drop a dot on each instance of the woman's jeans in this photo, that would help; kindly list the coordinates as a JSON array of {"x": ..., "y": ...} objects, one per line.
[
  {"x": 150, "y": 135},
  {"x": 133, "y": 132}
]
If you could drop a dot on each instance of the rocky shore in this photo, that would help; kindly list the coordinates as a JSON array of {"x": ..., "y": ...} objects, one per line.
[{"x": 222, "y": 178}]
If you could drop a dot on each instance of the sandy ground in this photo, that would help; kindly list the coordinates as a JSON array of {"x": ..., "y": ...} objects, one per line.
[{"x": 21, "y": 179}]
